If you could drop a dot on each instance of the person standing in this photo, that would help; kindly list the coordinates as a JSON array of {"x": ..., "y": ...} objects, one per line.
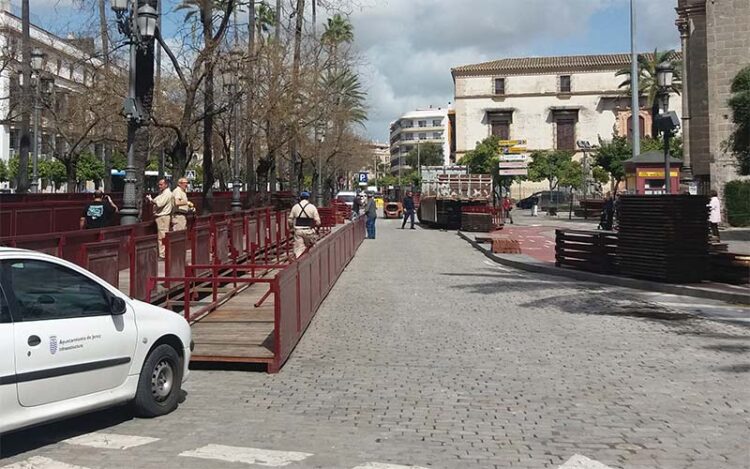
[
  {"x": 608, "y": 213},
  {"x": 408, "y": 210},
  {"x": 371, "y": 211},
  {"x": 534, "y": 205},
  {"x": 714, "y": 214},
  {"x": 507, "y": 207},
  {"x": 303, "y": 218},
  {"x": 181, "y": 205},
  {"x": 97, "y": 214},
  {"x": 356, "y": 206},
  {"x": 163, "y": 207}
]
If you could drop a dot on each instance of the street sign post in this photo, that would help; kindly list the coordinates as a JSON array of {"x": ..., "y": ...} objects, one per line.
[
  {"x": 518, "y": 157},
  {"x": 512, "y": 164},
  {"x": 512, "y": 143},
  {"x": 514, "y": 172},
  {"x": 362, "y": 179}
]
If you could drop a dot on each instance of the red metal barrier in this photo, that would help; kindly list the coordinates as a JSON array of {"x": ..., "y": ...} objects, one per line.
[
  {"x": 102, "y": 258},
  {"x": 144, "y": 257},
  {"x": 51, "y": 244},
  {"x": 175, "y": 251},
  {"x": 220, "y": 237}
]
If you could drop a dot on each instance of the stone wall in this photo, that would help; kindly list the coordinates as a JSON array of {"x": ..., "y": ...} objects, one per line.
[{"x": 728, "y": 51}]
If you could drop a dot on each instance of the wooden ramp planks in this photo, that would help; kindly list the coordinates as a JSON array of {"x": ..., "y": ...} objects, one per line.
[{"x": 237, "y": 331}]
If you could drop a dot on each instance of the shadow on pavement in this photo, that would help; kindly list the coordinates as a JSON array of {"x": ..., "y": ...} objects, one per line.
[
  {"x": 729, "y": 348},
  {"x": 33, "y": 438},
  {"x": 744, "y": 368}
]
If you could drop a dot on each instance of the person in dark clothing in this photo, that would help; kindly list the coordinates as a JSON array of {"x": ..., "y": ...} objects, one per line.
[
  {"x": 608, "y": 213},
  {"x": 97, "y": 214},
  {"x": 356, "y": 205},
  {"x": 371, "y": 212},
  {"x": 408, "y": 210}
]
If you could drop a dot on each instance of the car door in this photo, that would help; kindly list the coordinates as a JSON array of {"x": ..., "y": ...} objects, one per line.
[
  {"x": 67, "y": 343},
  {"x": 7, "y": 365}
]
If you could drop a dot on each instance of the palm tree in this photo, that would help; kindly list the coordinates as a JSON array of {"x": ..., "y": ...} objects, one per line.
[
  {"x": 265, "y": 19},
  {"x": 338, "y": 30},
  {"x": 647, "y": 84},
  {"x": 348, "y": 105}
]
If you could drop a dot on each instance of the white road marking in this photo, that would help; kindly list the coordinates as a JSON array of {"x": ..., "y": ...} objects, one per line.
[
  {"x": 262, "y": 457},
  {"x": 378, "y": 465},
  {"x": 110, "y": 440},
  {"x": 728, "y": 319},
  {"x": 582, "y": 462},
  {"x": 39, "y": 462},
  {"x": 692, "y": 305},
  {"x": 498, "y": 267}
]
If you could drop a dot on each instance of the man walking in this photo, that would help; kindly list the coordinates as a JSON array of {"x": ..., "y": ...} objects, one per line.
[
  {"x": 98, "y": 213},
  {"x": 163, "y": 207},
  {"x": 408, "y": 210},
  {"x": 303, "y": 218},
  {"x": 356, "y": 206},
  {"x": 507, "y": 209},
  {"x": 371, "y": 211},
  {"x": 181, "y": 205},
  {"x": 714, "y": 214}
]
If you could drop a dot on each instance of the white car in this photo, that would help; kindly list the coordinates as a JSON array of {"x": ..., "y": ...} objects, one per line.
[
  {"x": 346, "y": 197},
  {"x": 71, "y": 343}
]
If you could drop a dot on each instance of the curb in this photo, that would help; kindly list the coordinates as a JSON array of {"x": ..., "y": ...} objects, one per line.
[{"x": 523, "y": 262}]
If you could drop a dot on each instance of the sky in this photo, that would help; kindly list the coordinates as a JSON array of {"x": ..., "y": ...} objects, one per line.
[{"x": 408, "y": 47}]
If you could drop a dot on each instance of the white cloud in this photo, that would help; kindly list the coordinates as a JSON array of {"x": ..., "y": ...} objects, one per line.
[{"x": 411, "y": 46}]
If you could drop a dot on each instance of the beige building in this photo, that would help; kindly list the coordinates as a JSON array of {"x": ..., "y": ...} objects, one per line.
[
  {"x": 716, "y": 44},
  {"x": 549, "y": 101},
  {"x": 431, "y": 125}
]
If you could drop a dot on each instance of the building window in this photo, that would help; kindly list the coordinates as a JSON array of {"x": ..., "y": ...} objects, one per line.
[
  {"x": 437, "y": 135},
  {"x": 565, "y": 84},
  {"x": 499, "y": 85},
  {"x": 408, "y": 137},
  {"x": 406, "y": 124},
  {"x": 566, "y": 133},
  {"x": 422, "y": 136},
  {"x": 641, "y": 127},
  {"x": 500, "y": 124},
  {"x": 423, "y": 123},
  {"x": 437, "y": 122}
]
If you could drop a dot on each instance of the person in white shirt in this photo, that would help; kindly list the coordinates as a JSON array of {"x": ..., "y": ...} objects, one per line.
[
  {"x": 714, "y": 214},
  {"x": 163, "y": 207},
  {"x": 303, "y": 218}
]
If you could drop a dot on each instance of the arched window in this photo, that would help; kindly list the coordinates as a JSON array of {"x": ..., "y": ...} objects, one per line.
[{"x": 641, "y": 127}]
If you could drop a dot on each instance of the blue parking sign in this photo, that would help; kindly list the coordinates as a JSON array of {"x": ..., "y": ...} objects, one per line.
[{"x": 363, "y": 178}]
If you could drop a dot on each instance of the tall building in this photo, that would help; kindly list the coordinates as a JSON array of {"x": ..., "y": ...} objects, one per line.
[
  {"x": 415, "y": 128},
  {"x": 69, "y": 64},
  {"x": 716, "y": 45},
  {"x": 549, "y": 101}
]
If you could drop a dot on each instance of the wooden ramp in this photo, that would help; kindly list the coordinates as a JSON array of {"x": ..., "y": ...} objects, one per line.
[{"x": 237, "y": 331}]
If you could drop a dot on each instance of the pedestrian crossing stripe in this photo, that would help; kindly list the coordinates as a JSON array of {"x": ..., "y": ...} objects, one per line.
[
  {"x": 110, "y": 440},
  {"x": 40, "y": 462},
  {"x": 261, "y": 457}
]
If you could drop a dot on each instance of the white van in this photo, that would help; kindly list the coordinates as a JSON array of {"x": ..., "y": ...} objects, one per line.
[
  {"x": 71, "y": 343},
  {"x": 346, "y": 197}
]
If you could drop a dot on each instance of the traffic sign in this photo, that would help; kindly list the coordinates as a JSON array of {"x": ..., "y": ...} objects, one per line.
[
  {"x": 512, "y": 143},
  {"x": 362, "y": 178},
  {"x": 513, "y": 164},
  {"x": 515, "y": 150},
  {"x": 190, "y": 175},
  {"x": 516, "y": 157},
  {"x": 514, "y": 172}
]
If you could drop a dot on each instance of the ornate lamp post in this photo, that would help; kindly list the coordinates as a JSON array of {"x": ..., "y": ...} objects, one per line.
[
  {"x": 666, "y": 121},
  {"x": 136, "y": 20},
  {"x": 231, "y": 88},
  {"x": 37, "y": 63}
]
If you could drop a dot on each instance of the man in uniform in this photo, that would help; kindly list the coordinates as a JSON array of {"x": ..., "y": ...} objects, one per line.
[
  {"x": 163, "y": 206},
  {"x": 303, "y": 218},
  {"x": 181, "y": 205}
]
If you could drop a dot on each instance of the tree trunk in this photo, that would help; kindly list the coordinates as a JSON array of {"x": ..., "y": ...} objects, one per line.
[
  {"x": 295, "y": 175},
  {"x": 208, "y": 106},
  {"x": 250, "y": 79},
  {"x": 179, "y": 157},
  {"x": 107, "y": 168},
  {"x": 22, "y": 181},
  {"x": 70, "y": 175}
]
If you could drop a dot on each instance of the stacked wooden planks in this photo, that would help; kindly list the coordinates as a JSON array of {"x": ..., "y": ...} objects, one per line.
[
  {"x": 476, "y": 222},
  {"x": 663, "y": 237},
  {"x": 592, "y": 251}
]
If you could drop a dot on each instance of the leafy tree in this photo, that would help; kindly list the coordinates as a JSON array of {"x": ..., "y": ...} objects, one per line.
[
  {"x": 657, "y": 144},
  {"x": 600, "y": 175},
  {"x": 483, "y": 159},
  {"x": 53, "y": 172},
  {"x": 610, "y": 156},
  {"x": 430, "y": 154},
  {"x": 647, "y": 84},
  {"x": 14, "y": 164},
  {"x": 89, "y": 168},
  {"x": 552, "y": 166},
  {"x": 739, "y": 140},
  {"x": 119, "y": 161},
  {"x": 3, "y": 171}
]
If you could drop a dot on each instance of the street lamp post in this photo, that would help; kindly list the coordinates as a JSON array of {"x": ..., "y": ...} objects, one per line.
[
  {"x": 664, "y": 75},
  {"x": 585, "y": 147},
  {"x": 37, "y": 62},
  {"x": 319, "y": 198},
  {"x": 136, "y": 19},
  {"x": 231, "y": 88}
]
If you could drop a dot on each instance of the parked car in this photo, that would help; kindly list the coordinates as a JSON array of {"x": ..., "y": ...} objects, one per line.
[
  {"x": 546, "y": 199},
  {"x": 346, "y": 197},
  {"x": 71, "y": 343}
]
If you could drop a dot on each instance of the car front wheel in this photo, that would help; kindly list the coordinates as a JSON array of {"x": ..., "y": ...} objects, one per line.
[{"x": 160, "y": 383}]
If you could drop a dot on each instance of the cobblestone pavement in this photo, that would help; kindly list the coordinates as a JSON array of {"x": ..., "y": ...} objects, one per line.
[{"x": 426, "y": 354}]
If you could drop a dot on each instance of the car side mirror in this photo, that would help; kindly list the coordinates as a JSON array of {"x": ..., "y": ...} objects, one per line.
[{"x": 118, "y": 306}]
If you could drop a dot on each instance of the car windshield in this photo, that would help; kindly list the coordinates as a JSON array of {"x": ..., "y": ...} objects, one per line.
[{"x": 345, "y": 198}]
